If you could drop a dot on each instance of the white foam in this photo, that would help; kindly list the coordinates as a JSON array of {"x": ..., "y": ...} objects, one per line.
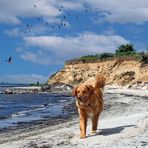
[
  {"x": 23, "y": 113},
  {"x": 133, "y": 92}
]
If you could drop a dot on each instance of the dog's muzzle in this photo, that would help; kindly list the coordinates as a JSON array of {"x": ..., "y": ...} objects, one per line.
[{"x": 82, "y": 98}]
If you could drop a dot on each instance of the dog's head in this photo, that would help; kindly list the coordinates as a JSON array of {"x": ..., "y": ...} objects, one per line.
[{"x": 83, "y": 92}]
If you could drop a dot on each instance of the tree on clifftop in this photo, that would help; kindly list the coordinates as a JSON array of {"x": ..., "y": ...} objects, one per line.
[{"x": 127, "y": 49}]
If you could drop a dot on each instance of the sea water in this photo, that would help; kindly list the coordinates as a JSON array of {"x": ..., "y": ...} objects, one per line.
[{"x": 17, "y": 108}]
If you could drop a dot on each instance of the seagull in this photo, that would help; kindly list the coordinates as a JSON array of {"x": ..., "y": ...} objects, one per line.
[
  {"x": 9, "y": 60},
  {"x": 64, "y": 17},
  {"x": 38, "y": 18},
  {"x": 28, "y": 27},
  {"x": 60, "y": 9}
]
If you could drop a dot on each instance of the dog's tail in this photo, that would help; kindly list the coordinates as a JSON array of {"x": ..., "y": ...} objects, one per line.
[{"x": 100, "y": 81}]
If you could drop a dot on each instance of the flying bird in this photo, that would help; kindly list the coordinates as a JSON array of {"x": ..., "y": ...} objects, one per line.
[
  {"x": 60, "y": 9},
  {"x": 64, "y": 17},
  {"x": 28, "y": 27},
  {"x": 9, "y": 60},
  {"x": 38, "y": 19},
  {"x": 35, "y": 6}
]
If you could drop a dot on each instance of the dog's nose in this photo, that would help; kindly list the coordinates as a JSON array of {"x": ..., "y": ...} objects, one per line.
[{"x": 79, "y": 97}]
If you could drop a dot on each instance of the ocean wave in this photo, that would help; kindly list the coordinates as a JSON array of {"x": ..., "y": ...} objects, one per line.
[
  {"x": 18, "y": 114},
  {"x": 25, "y": 112},
  {"x": 62, "y": 101}
]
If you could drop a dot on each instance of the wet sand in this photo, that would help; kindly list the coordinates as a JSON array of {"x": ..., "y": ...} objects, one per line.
[{"x": 123, "y": 123}]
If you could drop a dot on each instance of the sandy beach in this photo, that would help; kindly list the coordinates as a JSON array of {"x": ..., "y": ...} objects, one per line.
[{"x": 123, "y": 123}]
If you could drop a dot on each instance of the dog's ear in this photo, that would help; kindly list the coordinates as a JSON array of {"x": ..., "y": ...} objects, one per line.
[
  {"x": 74, "y": 91},
  {"x": 90, "y": 89}
]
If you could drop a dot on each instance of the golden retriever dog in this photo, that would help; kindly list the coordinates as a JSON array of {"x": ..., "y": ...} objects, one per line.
[{"x": 89, "y": 100}]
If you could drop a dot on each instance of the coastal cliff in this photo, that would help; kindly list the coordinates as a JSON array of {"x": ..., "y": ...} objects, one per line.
[{"x": 117, "y": 71}]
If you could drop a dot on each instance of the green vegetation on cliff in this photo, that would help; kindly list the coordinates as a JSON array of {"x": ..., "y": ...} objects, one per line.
[{"x": 123, "y": 51}]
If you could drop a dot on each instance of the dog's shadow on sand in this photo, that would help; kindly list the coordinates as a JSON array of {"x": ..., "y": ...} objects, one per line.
[{"x": 111, "y": 131}]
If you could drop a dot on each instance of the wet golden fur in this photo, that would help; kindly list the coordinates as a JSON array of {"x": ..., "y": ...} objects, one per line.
[{"x": 90, "y": 103}]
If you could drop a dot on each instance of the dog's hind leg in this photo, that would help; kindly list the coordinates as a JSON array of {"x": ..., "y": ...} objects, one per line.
[{"x": 94, "y": 123}]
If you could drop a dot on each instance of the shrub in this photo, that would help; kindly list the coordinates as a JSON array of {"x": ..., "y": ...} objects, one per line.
[
  {"x": 144, "y": 57},
  {"x": 89, "y": 58},
  {"x": 125, "y": 50},
  {"x": 105, "y": 56}
]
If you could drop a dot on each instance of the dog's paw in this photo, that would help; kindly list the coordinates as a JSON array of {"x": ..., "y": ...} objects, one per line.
[
  {"x": 82, "y": 136},
  {"x": 93, "y": 132}
]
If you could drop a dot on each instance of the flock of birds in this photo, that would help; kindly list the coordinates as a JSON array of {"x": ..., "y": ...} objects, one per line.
[
  {"x": 61, "y": 24},
  {"x": 62, "y": 20}
]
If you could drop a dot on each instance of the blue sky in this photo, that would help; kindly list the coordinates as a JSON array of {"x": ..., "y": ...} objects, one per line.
[{"x": 91, "y": 26}]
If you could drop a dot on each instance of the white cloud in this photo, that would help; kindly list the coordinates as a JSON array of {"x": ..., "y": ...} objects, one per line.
[
  {"x": 71, "y": 5},
  {"x": 109, "y": 31},
  {"x": 114, "y": 11},
  {"x": 37, "y": 29},
  {"x": 8, "y": 19},
  {"x": 16, "y": 9},
  {"x": 65, "y": 48},
  {"x": 15, "y": 32},
  {"x": 39, "y": 57},
  {"x": 23, "y": 78},
  {"x": 121, "y": 11},
  {"x": 85, "y": 42},
  {"x": 12, "y": 11}
]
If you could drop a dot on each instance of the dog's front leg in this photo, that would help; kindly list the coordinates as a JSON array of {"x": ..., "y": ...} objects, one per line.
[{"x": 83, "y": 124}]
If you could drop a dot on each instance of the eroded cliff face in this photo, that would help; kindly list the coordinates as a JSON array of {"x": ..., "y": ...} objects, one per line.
[{"x": 117, "y": 71}]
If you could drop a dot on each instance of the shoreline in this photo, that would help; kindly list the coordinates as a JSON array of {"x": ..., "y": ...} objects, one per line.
[
  {"x": 29, "y": 129},
  {"x": 39, "y": 114},
  {"x": 65, "y": 88},
  {"x": 124, "y": 120},
  {"x": 36, "y": 124}
]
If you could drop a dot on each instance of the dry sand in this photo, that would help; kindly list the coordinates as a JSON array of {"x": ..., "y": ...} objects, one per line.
[{"x": 124, "y": 123}]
